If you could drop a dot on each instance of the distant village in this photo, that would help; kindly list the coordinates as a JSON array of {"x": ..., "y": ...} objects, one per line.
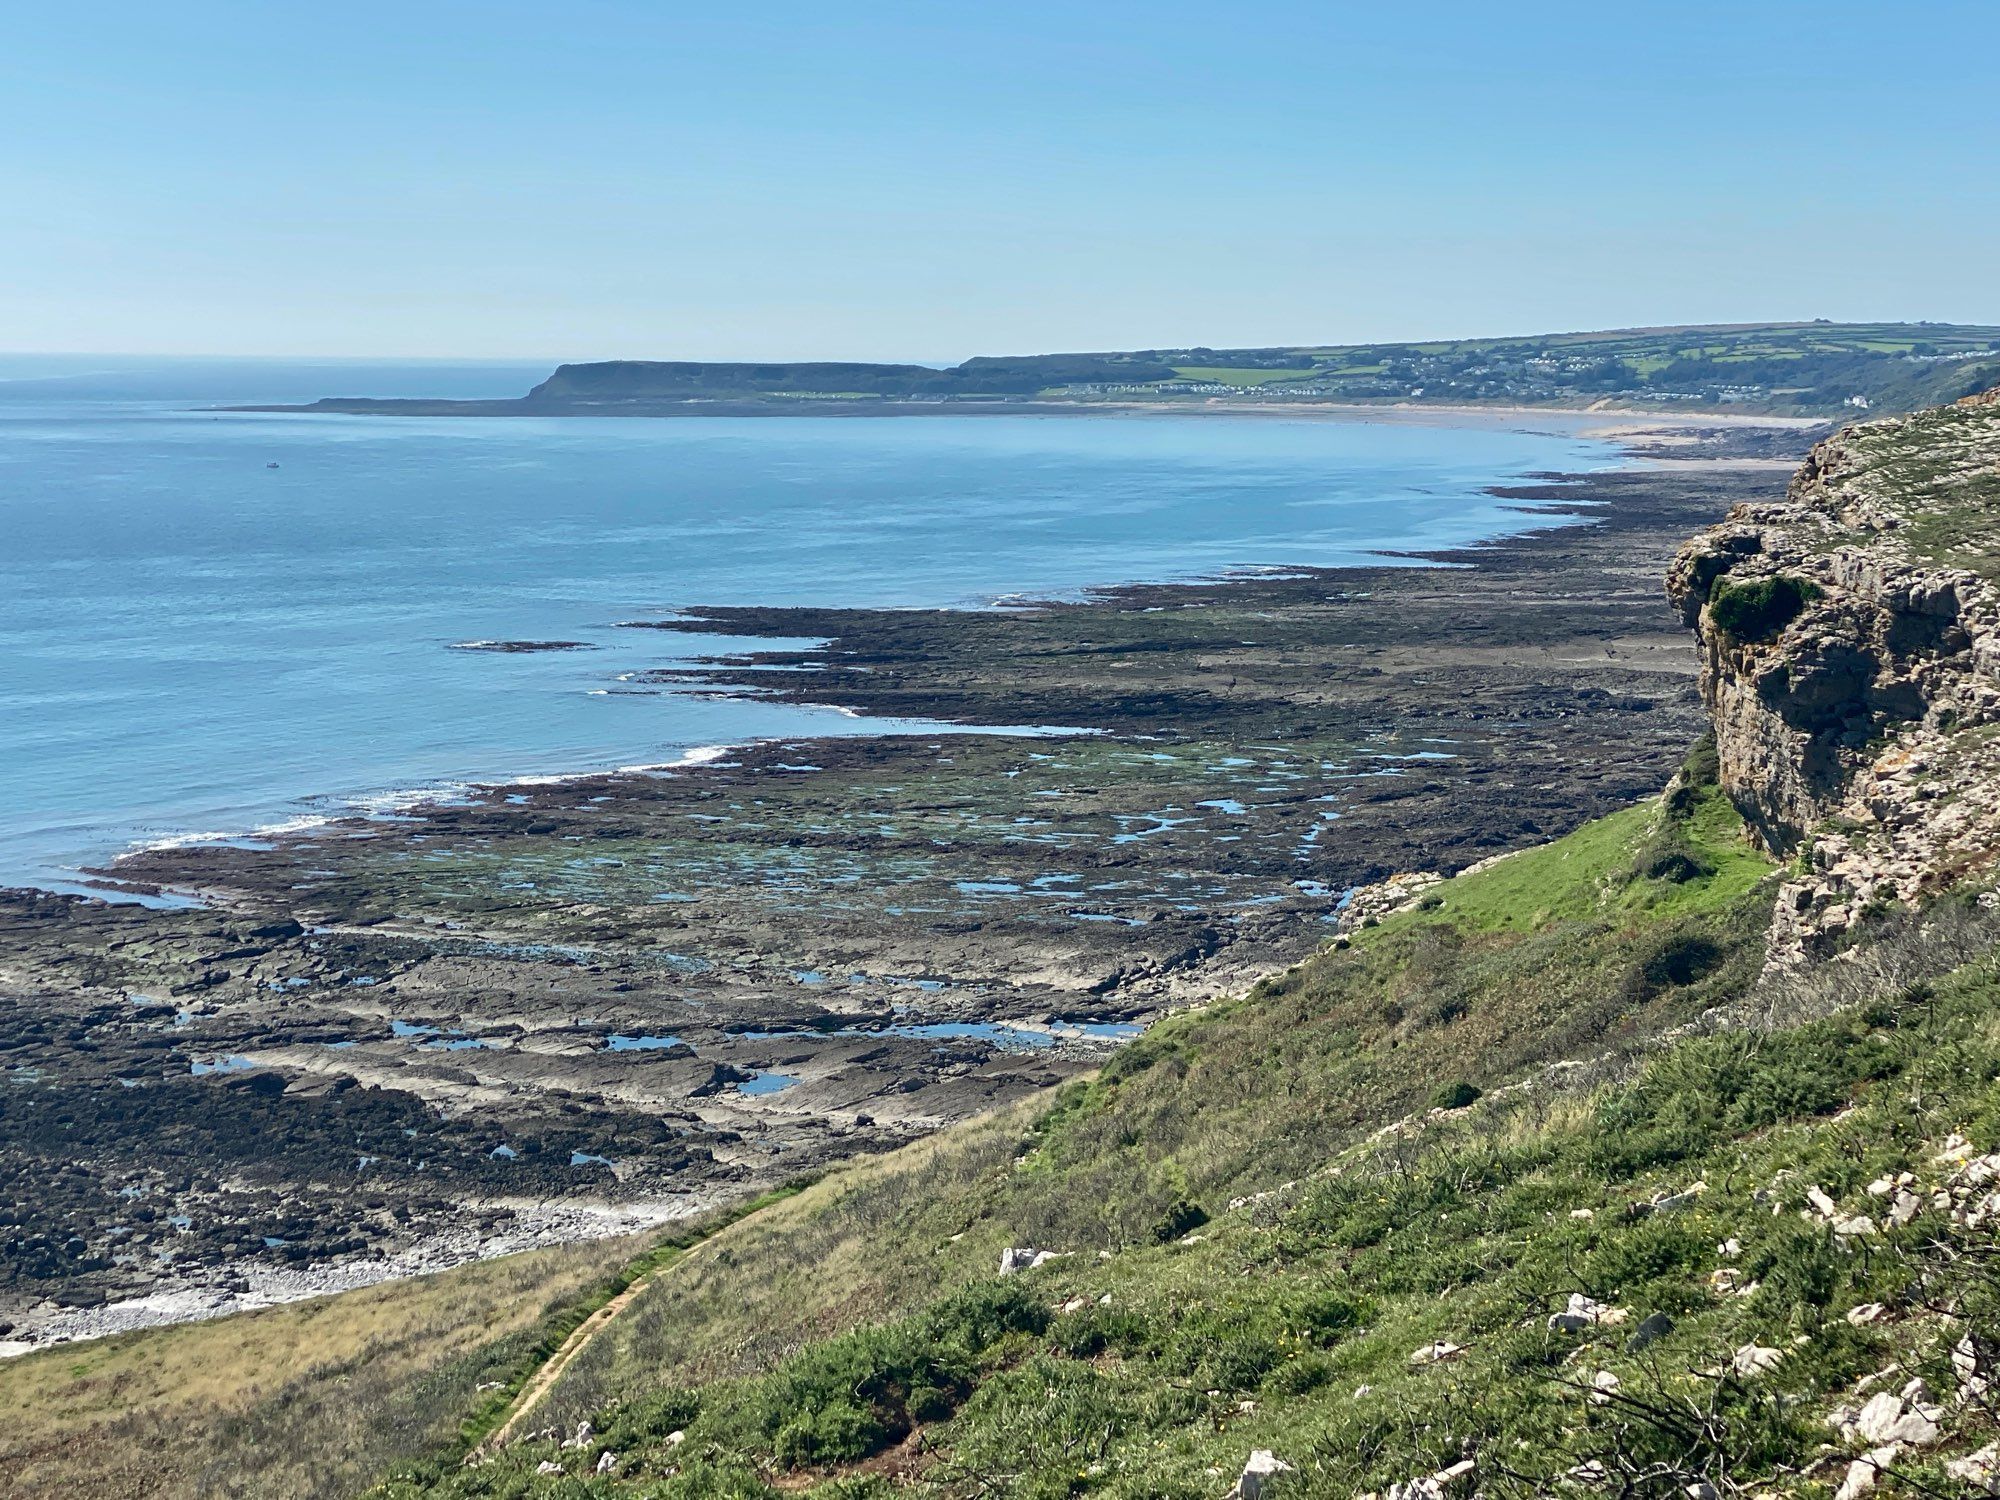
[{"x": 1776, "y": 368}]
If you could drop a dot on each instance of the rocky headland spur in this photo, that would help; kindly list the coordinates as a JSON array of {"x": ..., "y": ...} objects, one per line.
[{"x": 557, "y": 1008}]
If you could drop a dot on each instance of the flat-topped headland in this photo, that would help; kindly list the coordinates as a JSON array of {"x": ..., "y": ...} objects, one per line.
[
  {"x": 557, "y": 1008},
  {"x": 1815, "y": 369}
]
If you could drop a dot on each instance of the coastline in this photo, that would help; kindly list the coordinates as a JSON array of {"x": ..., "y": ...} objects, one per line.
[
  {"x": 271, "y": 746},
  {"x": 861, "y": 918},
  {"x": 1640, "y": 438},
  {"x": 1619, "y": 418}
]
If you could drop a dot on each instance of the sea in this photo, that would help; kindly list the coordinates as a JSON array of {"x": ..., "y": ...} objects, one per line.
[{"x": 217, "y": 623}]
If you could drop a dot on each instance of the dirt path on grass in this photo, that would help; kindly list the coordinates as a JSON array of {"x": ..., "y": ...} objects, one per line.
[{"x": 544, "y": 1379}]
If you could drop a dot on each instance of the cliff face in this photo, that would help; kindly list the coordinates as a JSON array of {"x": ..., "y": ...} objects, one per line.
[{"x": 1850, "y": 639}]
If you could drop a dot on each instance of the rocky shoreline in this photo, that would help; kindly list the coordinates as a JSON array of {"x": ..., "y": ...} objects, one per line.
[{"x": 376, "y": 1040}]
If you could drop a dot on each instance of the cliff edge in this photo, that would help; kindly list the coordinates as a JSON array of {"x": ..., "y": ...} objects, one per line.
[{"x": 1850, "y": 641}]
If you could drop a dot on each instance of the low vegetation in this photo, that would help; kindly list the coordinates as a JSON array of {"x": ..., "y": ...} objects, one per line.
[
  {"x": 1758, "y": 610},
  {"x": 1941, "y": 471},
  {"x": 1623, "y": 1292},
  {"x": 312, "y": 1399},
  {"x": 1270, "y": 1231}
]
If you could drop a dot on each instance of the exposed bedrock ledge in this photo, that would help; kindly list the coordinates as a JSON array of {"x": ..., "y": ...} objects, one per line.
[{"x": 1850, "y": 663}]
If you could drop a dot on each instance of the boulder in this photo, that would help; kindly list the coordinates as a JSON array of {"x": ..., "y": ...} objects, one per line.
[
  {"x": 1023, "y": 1258},
  {"x": 1259, "y": 1470},
  {"x": 1863, "y": 1473},
  {"x": 1980, "y": 1470},
  {"x": 1753, "y": 1360},
  {"x": 1582, "y": 1312},
  {"x": 1441, "y": 1351},
  {"x": 1652, "y": 1328}
]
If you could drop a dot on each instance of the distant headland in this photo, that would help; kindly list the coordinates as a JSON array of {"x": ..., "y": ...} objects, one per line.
[{"x": 1815, "y": 369}]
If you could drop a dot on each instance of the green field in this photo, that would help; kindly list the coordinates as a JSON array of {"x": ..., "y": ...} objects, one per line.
[
  {"x": 1793, "y": 369},
  {"x": 1222, "y": 375}
]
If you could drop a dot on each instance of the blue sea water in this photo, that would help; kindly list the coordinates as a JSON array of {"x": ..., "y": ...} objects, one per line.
[{"x": 213, "y": 622}]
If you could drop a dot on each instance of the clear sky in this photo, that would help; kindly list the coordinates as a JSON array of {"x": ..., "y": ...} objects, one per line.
[{"x": 929, "y": 179}]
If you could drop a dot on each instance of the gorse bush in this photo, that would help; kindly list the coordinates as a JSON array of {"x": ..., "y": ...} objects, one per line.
[
  {"x": 1675, "y": 959},
  {"x": 1459, "y": 1095},
  {"x": 1181, "y": 1217},
  {"x": 1759, "y": 610}
]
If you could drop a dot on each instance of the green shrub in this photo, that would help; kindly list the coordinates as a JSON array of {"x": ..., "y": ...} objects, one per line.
[
  {"x": 1759, "y": 610},
  {"x": 838, "y": 1431},
  {"x": 1300, "y": 1377},
  {"x": 1455, "y": 1095},
  {"x": 854, "y": 1395},
  {"x": 1800, "y": 1270},
  {"x": 1240, "y": 1363},
  {"x": 1092, "y": 1331},
  {"x": 1326, "y": 1317},
  {"x": 1674, "y": 960},
  {"x": 985, "y": 1313},
  {"x": 1182, "y": 1217},
  {"x": 1702, "y": 767}
]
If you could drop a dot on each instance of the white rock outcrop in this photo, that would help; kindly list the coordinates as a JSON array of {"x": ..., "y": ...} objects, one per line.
[{"x": 1853, "y": 700}]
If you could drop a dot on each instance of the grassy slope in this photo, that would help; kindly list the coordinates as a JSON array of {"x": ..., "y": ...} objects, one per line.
[
  {"x": 1941, "y": 468},
  {"x": 1463, "y": 1226},
  {"x": 1208, "y": 1105},
  {"x": 313, "y": 1398}
]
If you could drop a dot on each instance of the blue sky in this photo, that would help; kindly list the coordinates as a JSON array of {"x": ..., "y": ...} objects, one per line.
[{"x": 934, "y": 179}]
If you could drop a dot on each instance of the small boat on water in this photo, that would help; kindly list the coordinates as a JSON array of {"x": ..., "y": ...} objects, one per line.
[{"x": 270, "y": 466}]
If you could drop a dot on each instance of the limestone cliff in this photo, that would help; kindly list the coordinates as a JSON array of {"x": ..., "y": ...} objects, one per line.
[{"x": 1850, "y": 639}]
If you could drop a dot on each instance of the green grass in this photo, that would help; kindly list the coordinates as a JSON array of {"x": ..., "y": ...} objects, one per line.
[
  {"x": 1591, "y": 873},
  {"x": 1224, "y": 375},
  {"x": 498, "y": 1396},
  {"x": 312, "y": 1399},
  {"x": 1941, "y": 469}
]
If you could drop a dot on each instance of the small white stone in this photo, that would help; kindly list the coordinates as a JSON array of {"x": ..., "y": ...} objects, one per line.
[
  {"x": 1863, "y": 1472},
  {"x": 1981, "y": 1468},
  {"x": 1754, "y": 1359},
  {"x": 1878, "y": 1417},
  {"x": 1956, "y": 1149},
  {"x": 1258, "y": 1471}
]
